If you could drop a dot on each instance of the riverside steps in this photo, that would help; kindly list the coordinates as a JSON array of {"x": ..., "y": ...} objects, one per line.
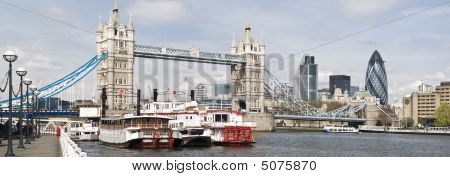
[{"x": 45, "y": 146}]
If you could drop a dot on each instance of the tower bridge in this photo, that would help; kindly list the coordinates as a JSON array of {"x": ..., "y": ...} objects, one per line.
[{"x": 254, "y": 89}]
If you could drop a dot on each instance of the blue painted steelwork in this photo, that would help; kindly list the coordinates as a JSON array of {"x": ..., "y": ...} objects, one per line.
[
  {"x": 68, "y": 80},
  {"x": 45, "y": 113}
]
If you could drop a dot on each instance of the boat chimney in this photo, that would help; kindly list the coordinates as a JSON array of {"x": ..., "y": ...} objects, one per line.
[
  {"x": 155, "y": 95},
  {"x": 192, "y": 95},
  {"x": 138, "y": 107},
  {"x": 103, "y": 97}
]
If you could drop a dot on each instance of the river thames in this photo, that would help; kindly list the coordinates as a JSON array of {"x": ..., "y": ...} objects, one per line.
[{"x": 299, "y": 144}]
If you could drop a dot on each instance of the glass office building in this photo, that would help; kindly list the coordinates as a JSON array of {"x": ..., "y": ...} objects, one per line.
[
  {"x": 308, "y": 79},
  {"x": 376, "y": 78},
  {"x": 339, "y": 81}
]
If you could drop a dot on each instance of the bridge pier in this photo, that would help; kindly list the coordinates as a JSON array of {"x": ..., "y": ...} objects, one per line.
[{"x": 264, "y": 122}]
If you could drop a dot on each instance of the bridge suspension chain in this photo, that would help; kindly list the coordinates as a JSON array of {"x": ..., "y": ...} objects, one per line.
[
  {"x": 67, "y": 81},
  {"x": 290, "y": 104}
]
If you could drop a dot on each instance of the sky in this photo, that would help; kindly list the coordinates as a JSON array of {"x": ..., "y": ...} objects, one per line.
[{"x": 415, "y": 48}]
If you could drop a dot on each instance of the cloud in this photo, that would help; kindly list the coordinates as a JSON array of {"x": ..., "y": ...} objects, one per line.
[
  {"x": 323, "y": 78},
  {"x": 438, "y": 76},
  {"x": 158, "y": 12},
  {"x": 363, "y": 8}
]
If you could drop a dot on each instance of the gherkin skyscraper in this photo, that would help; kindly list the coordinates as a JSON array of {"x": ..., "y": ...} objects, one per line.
[{"x": 376, "y": 78}]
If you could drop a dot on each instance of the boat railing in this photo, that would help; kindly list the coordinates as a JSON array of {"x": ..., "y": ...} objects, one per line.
[
  {"x": 224, "y": 124},
  {"x": 138, "y": 125},
  {"x": 68, "y": 147},
  {"x": 431, "y": 130}
]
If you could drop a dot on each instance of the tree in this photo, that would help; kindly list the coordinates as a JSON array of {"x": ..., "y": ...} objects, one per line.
[
  {"x": 443, "y": 115},
  {"x": 383, "y": 119},
  {"x": 407, "y": 122}
]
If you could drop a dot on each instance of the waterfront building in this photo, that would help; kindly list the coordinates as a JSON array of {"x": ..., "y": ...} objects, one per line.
[
  {"x": 324, "y": 94},
  {"x": 425, "y": 88},
  {"x": 421, "y": 106},
  {"x": 376, "y": 78},
  {"x": 339, "y": 81},
  {"x": 201, "y": 92},
  {"x": 308, "y": 84},
  {"x": 353, "y": 90}
]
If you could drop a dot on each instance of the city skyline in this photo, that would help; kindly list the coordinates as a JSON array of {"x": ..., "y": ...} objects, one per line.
[{"x": 59, "y": 49}]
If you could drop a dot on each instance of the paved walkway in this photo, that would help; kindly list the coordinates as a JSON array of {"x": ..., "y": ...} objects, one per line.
[{"x": 46, "y": 146}]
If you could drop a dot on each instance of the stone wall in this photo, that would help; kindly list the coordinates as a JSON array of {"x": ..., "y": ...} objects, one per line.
[{"x": 264, "y": 122}]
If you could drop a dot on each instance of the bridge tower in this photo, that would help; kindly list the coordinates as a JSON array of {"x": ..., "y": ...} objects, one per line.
[
  {"x": 115, "y": 73},
  {"x": 247, "y": 80}
]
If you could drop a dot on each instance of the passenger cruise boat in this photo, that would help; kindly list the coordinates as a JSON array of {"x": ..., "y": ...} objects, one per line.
[
  {"x": 89, "y": 132},
  {"x": 84, "y": 131},
  {"x": 340, "y": 129},
  {"x": 204, "y": 127},
  {"x": 139, "y": 132}
]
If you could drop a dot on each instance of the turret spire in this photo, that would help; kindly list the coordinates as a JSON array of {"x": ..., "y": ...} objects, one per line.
[
  {"x": 261, "y": 39},
  {"x": 100, "y": 25},
  {"x": 116, "y": 7},
  {"x": 130, "y": 23},
  {"x": 233, "y": 43}
]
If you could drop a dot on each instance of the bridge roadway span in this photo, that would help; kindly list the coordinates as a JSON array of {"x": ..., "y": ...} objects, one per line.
[
  {"x": 45, "y": 113},
  {"x": 187, "y": 55},
  {"x": 315, "y": 118}
]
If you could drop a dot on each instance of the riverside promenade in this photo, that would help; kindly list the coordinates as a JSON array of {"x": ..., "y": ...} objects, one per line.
[{"x": 45, "y": 146}]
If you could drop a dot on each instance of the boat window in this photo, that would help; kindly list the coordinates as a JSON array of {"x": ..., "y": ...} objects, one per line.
[{"x": 221, "y": 117}]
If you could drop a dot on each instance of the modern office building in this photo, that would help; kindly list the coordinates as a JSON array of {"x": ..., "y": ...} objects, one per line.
[
  {"x": 421, "y": 106},
  {"x": 376, "y": 78},
  {"x": 339, "y": 81},
  {"x": 308, "y": 84},
  {"x": 425, "y": 88},
  {"x": 222, "y": 90}
]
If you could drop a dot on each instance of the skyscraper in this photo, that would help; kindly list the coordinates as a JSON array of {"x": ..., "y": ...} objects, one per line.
[
  {"x": 221, "y": 90},
  {"x": 376, "y": 78},
  {"x": 308, "y": 79},
  {"x": 339, "y": 81}
]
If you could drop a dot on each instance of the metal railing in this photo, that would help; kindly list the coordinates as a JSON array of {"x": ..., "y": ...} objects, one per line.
[
  {"x": 428, "y": 130},
  {"x": 68, "y": 147}
]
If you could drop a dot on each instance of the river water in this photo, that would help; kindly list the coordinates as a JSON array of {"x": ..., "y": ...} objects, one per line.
[{"x": 299, "y": 144}]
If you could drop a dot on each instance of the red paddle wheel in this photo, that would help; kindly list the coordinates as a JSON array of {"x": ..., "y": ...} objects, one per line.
[
  {"x": 156, "y": 136},
  {"x": 237, "y": 135},
  {"x": 170, "y": 139}
]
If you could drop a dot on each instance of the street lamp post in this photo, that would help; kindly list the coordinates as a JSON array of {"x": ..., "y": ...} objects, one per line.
[
  {"x": 33, "y": 89},
  {"x": 38, "y": 123},
  {"x": 21, "y": 72},
  {"x": 10, "y": 57},
  {"x": 27, "y": 82}
]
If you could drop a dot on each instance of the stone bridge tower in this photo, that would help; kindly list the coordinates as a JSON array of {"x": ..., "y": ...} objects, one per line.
[
  {"x": 248, "y": 80},
  {"x": 115, "y": 73}
]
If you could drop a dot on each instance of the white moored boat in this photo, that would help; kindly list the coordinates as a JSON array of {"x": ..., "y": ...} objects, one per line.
[
  {"x": 83, "y": 131},
  {"x": 139, "y": 132},
  {"x": 89, "y": 131},
  {"x": 340, "y": 129}
]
